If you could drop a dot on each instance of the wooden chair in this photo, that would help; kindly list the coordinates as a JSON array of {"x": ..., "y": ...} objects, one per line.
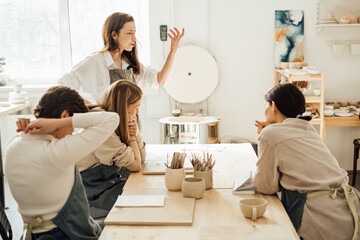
[
  {"x": 5, "y": 227},
  {"x": 356, "y": 156}
]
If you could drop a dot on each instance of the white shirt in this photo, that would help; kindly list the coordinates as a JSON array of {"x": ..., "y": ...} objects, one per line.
[
  {"x": 40, "y": 168},
  {"x": 91, "y": 76}
]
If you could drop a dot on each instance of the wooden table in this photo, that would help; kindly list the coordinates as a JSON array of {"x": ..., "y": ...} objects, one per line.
[
  {"x": 4, "y": 111},
  {"x": 217, "y": 215}
]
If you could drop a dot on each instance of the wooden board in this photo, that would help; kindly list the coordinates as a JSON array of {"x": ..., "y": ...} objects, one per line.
[
  {"x": 157, "y": 168},
  {"x": 217, "y": 216},
  {"x": 177, "y": 211}
]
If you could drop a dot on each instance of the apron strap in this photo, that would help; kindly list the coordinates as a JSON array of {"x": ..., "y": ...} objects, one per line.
[
  {"x": 346, "y": 189},
  {"x": 37, "y": 223}
]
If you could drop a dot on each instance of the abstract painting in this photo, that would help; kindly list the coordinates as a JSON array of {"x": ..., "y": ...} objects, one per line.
[{"x": 289, "y": 36}]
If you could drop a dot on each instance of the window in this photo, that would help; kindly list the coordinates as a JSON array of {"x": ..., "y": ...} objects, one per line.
[{"x": 43, "y": 39}]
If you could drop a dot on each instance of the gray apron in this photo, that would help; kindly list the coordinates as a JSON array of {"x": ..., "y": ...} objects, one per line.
[
  {"x": 103, "y": 185},
  {"x": 117, "y": 74},
  {"x": 74, "y": 219}
]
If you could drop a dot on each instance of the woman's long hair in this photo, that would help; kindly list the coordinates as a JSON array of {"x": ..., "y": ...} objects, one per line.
[
  {"x": 114, "y": 23},
  {"x": 288, "y": 99},
  {"x": 117, "y": 98}
]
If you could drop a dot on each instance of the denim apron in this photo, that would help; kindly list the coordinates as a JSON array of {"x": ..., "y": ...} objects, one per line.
[
  {"x": 103, "y": 185},
  {"x": 293, "y": 202},
  {"x": 73, "y": 220}
]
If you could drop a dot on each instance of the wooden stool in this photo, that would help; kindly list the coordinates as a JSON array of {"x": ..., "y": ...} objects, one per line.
[{"x": 356, "y": 156}]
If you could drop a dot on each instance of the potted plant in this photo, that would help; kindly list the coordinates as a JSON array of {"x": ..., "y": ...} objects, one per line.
[
  {"x": 203, "y": 168},
  {"x": 175, "y": 173}
]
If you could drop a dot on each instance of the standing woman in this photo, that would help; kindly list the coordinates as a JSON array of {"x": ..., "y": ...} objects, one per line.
[
  {"x": 118, "y": 60},
  {"x": 294, "y": 159},
  {"x": 105, "y": 170}
]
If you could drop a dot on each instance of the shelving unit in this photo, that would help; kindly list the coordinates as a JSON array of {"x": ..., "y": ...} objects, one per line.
[{"x": 316, "y": 101}]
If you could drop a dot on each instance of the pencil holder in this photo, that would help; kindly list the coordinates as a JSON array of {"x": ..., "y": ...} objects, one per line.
[
  {"x": 207, "y": 176},
  {"x": 174, "y": 178}
]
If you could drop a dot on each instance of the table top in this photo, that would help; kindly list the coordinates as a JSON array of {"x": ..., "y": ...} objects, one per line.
[
  {"x": 13, "y": 108},
  {"x": 217, "y": 215},
  {"x": 231, "y": 162}
]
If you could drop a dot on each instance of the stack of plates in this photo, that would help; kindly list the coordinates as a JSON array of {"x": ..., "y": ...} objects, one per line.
[{"x": 17, "y": 98}]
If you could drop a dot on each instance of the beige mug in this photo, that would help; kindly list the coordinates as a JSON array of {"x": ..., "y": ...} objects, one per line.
[{"x": 253, "y": 208}]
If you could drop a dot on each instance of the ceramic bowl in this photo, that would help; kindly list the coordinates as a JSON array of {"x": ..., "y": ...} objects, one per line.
[{"x": 193, "y": 187}]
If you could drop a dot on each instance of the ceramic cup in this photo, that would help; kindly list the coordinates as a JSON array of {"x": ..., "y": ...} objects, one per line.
[
  {"x": 174, "y": 178},
  {"x": 193, "y": 187},
  {"x": 207, "y": 176},
  {"x": 253, "y": 208},
  {"x": 17, "y": 88}
]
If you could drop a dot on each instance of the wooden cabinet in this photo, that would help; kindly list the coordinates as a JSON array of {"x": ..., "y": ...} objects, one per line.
[{"x": 313, "y": 101}]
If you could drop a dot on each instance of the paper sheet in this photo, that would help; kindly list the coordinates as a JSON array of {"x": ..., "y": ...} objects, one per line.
[{"x": 140, "y": 201}]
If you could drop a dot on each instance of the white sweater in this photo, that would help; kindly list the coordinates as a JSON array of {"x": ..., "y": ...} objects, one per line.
[{"x": 40, "y": 168}]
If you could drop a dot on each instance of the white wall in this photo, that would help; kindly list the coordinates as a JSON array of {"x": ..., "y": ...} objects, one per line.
[{"x": 240, "y": 35}]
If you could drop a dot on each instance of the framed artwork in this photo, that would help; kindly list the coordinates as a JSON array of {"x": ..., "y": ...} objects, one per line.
[{"x": 289, "y": 36}]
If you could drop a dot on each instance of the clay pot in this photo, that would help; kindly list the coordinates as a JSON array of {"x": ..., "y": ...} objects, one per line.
[
  {"x": 193, "y": 187},
  {"x": 207, "y": 176},
  {"x": 174, "y": 178}
]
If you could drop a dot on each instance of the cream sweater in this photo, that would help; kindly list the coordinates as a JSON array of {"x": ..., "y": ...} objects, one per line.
[
  {"x": 292, "y": 154},
  {"x": 111, "y": 152},
  {"x": 40, "y": 168}
]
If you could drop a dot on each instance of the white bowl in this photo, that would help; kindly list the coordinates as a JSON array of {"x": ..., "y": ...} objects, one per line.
[{"x": 316, "y": 92}]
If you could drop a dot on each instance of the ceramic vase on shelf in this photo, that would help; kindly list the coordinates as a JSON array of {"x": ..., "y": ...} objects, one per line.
[
  {"x": 174, "y": 178},
  {"x": 193, "y": 187},
  {"x": 207, "y": 176}
]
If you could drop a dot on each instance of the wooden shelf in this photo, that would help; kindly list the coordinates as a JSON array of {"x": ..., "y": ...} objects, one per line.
[
  {"x": 300, "y": 77},
  {"x": 319, "y": 27},
  {"x": 315, "y": 121},
  {"x": 342, "y": 121},
  {"x": 313, "y": 99}
]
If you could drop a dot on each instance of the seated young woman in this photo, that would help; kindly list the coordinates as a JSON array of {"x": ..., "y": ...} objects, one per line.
[
  {"x": 294, "y": 159},
  {"x": 40, "y": 165},
  {"x": 105, "y": 170}
]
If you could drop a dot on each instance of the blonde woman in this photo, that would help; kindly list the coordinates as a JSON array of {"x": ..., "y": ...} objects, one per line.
[
  {"x": 104, "y": 171},
  {"x": 118, "y": 60}
]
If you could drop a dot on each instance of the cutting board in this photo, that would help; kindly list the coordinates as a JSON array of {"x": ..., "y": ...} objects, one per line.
[
  {"x": 158, "y": 168},
  {"x": 177, "y": 210}
]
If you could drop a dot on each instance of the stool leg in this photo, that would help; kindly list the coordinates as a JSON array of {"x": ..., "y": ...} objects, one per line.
[{"x": 356, "y": 156}]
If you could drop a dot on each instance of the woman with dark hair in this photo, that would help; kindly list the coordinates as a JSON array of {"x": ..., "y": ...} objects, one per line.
[
  {"x": 40, "y": 165},
  {"x": 118, "y": 60},
  {"x": 105, "y": 170},
  {"x": 294, "y": 159}
]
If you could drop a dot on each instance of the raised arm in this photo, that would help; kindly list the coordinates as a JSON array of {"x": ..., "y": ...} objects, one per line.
[
  {"x": 68, "y": 150},
  {"x": 175, "y": 40}
]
